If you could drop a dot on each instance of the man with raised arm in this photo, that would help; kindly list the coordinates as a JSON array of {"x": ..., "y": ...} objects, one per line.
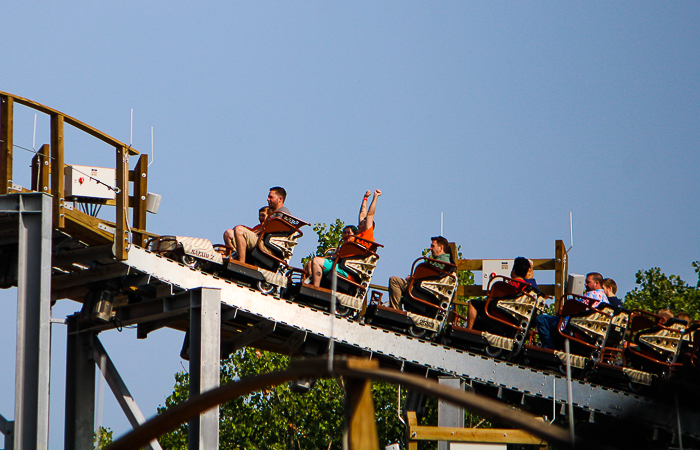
[
  {"x": 547, "y": 325},
  {"x": 319, "y": 266},
  {"x": 244, "y": 238},
  {"x": 439, "y": 250}
]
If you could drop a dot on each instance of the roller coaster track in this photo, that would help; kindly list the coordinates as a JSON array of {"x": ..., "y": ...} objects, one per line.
[
  {"x": 269, "y": 322},
  {"x": 84, "y": 255}
]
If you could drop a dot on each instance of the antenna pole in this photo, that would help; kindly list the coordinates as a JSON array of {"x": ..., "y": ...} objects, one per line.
[
  {"x": 149, "y": 164},
  {"x": 34, "y": 135},
  {"x": 571, "y": 229},
  {"x": 131, "y": 134},
  {"x": 442, "y": 214}
]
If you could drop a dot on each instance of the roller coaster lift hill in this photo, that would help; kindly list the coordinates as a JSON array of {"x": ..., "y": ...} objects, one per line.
[{"x": 626, "y": 363}]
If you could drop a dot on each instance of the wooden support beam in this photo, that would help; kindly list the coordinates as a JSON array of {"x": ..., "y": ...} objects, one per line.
[
  {"x": 70, "y": 121},
  {"x": 561, "y": 272},
  {"x": 121, "y": 236},
  {"x": 477, "y": 291},
  {"x": 481, "y": 435},
  {"x": 361, "y": 425},
  {"x": 475, "y": 435},
  {"x": 412, "y": 423},
  {"x": 477, "y": 264},
  {"x": 41, "y": 169},
  {"x": 58, "y": 179},
  {"x": 91, "y": 230},
  {"x": 140, "y": 179},
  {"x": 6, "y": 146}
]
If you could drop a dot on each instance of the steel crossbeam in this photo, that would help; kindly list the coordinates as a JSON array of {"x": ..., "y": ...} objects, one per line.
[{"x": 525, "y": 381}]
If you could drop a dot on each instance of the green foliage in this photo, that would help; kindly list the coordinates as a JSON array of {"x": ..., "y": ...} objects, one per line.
[
  {"x": 657, "y": 290},
  {"x": 327, "y": 239},
  {"x": 103, "y": 437},
  {"x": 278, "y": 418}
]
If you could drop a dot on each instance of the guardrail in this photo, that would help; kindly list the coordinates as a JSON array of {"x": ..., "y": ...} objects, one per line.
[{"x": 48, "y": 176}]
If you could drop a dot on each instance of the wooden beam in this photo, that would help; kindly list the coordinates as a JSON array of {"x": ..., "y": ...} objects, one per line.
[
  {"x": 482, "y": 435},
  {"x": 477, "y": 291},
  {"x": 87, "y": 228},
  {"x": 58, "y": 178},
  {"x": 359, "y": 406},
  {"x": 71, "y": 121},
  {"x": 41, "y": 169},
  {"x": 45, "y": 171},
  {"x": 121, "y": 236},
  {"x": 477, "y": 264},
  {"x": 412, "y": 423},
  {"x": 561, "y": 261},
  {"x": 140, "y": 179},
  {"x": 7, "y": 145}
]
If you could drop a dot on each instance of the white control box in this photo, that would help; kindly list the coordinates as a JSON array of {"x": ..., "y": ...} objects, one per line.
[
  {"x": 495, "y": 266},
  {"x": 575, "y": 284},
  {"x": 82, "y": 181}
]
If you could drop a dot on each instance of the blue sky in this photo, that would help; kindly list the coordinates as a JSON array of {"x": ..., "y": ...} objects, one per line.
[{"x": 505, "y": 117}]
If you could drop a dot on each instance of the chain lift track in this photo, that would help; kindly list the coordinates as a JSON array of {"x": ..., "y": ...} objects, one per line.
[{"x": 272, "y": 323}]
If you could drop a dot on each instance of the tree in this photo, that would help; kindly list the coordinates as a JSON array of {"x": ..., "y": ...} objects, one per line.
[
  {"x": 657, "y": 290},
  {"x": 279, "y": 418},
  {"x": 103, "y": 437},
  {"x": 326, "y": 239}
]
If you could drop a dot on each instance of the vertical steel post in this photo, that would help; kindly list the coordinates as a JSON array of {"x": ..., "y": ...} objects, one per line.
[
  {"x": 205, "y": 355},
  {"x": 32, "y": 373},
  {"x": 7, "y": 427},
  {"x": 450, "y": 415},
  {"x": 80, "y": 388}
]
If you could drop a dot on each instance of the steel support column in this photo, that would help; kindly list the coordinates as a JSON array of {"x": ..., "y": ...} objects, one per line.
[
  {"x": 205, "y": 354},
  {"x": 32, "y": 372},
  {"x": 450, "y": 415},
  {"x": 80, "y": 388},
  {"x": 7, "y": 427}
]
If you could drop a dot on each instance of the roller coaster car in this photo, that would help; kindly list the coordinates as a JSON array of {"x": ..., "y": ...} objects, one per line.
[
  {"x": 267, "y": 263},
  {"x": 197, "y": 253},
  {"x": 358, "y": 258},
  {"x": 655, "y": 344},
  {"x": 427, "y": 300},
  {"x": 587, "y": 325},
  {"x": 651, "y": 354},
  {"x": 689, "y": 352},
  {"x": 503, "y": 320}
]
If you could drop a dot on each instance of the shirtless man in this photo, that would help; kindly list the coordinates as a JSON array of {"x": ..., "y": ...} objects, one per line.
[
  {"x": 244, "y": 238},
  {"x": 320, "y": 266}
]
